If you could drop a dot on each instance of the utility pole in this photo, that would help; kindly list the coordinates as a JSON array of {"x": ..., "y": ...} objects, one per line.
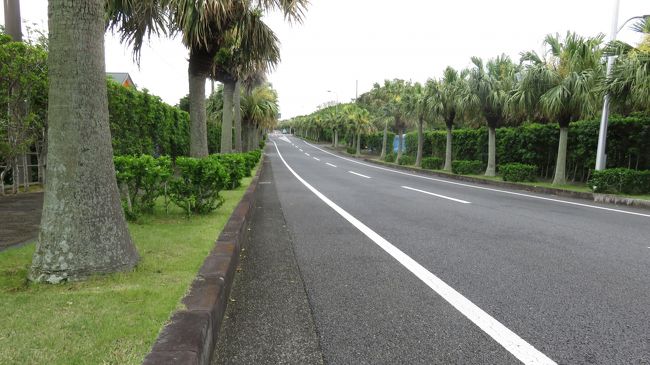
[
  {"x": 12, "y": 19},
  {"x": 601, "y": 158}
]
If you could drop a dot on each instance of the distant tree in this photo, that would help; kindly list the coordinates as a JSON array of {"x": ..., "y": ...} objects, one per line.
[{"x": 452, "y": 86}]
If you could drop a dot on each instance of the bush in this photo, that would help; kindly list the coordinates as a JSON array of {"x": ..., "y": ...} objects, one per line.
[
  {"x": 621, "y": 180},
  {"x": 406, "y": 160},
  {"x": 141, "y": 179},
  {"x": 351, "y": 150},
  {"x": 251, "y": 158},
  {"x": 518, "y": 172},
  {"x": 390, "y": 157},
  {"x": 197, "y": 184},
  {"x": 467, "y": 167},
  {"x": 235, "y": 165},
  {"x": 432, "y": 163}
]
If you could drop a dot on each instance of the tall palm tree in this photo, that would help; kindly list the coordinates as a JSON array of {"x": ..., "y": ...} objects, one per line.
[
  {"x": 562, "y": 84},
  {"x": 423, "y": 104},
  {"x": 629, "y": 83},
  {"x": 452, "y": 86},
  {"x": 489, "y": 87},
  {"x": 260, "y": 110},
  {"x": 83, "y": 231},
  {"x": 204, "y": 25}
]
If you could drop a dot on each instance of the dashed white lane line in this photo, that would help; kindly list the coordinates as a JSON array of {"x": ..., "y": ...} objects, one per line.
[
  {"x": 307, "y": 154},
  {"x": 484, "y": 188},
  {"x": 327, "y": 163},
  {"x": 358, "y": 174},
  {"x": 438, "y": 195},
  {"x": 317, "y": 159},
  {"x": 517, "y": 346},
  {"x": 300, "y": 149}
]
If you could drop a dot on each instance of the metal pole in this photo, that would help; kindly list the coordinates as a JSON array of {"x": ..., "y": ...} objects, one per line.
[
  {"x": 12, "y": 19},
  {"x": 601, "y": 157}
]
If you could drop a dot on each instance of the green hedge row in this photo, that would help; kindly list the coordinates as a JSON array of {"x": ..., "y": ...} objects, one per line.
[
  {"x": 518, "y": 172},
  {"x": 621, "y": 180},
  {"x": 142, "y": 123},
  {"x": 536, "y": 144},
  {"x": 467, "y": 167},
  {"x": 193, "y": 184},
  {"x": 432, "y": 163},
  {"x": 373, "y": 141}
]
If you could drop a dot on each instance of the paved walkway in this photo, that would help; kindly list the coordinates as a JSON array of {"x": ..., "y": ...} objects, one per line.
[
  {"x": 269, "y": 319},
  {"x": 20, "y": 216}
]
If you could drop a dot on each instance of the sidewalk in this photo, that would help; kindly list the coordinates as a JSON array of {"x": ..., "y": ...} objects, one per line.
[
  {"x": 20, "y": 217},
  {"x": 269, "y": 319}
]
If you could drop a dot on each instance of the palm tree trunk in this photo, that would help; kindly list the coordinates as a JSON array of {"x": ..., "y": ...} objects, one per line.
[
  {"x": 448, "y": 150},
  {"x": 358, "y": 144},
  {"x": 237, "y": 110},
  {"x": 492, "y": 143},
  {"x": 384, "y": 140},
  {"x": 83, "y": 231},
  {"x": 226, "y": 120},
  {"x": 418, "y": 157},
  {"x": 198, "y": 117},
  {"x": 336, "y": 138},
  {"x": 13, "y": 20},
  {"x": 560, "y": 165}
]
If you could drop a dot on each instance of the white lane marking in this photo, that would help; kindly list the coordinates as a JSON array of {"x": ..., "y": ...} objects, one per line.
[
  {"x": 327, "y": 163},
  {"x": 317, "y": 159},
  {"x": 284, "y": 138},
  {"x": 438, "y": 195},
  {"x": 300, "y": 149},
  {"x": 484, "y": 188},
  {"x": 358, "y": 174},
  {"x": 307, "y": 154},
  {"x": 521, "y": 349}
]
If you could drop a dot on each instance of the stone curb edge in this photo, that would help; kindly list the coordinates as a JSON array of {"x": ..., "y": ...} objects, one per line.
[
  {"x": 190, "y": 335},
  {"x": 594, "y": 197}
]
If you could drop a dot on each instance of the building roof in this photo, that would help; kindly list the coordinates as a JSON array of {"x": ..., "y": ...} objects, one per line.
[{"x": 123, "y": 78}]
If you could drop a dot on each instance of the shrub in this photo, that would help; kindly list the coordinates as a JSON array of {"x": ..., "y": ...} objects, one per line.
[
  {"x": 406, "y": 160},
  {"x": 432, "y": 163},
  {"x": 390, "y": 157},
  {"x": 621, "y": 180},
  {"x": 517, "y": 172},
  {"x": 467, "y": 167},
  {"x": 235, "y": 165},
  {"x": 351, "y": 150},
  {"x": 197, "y": 184},
  {"x": 141, "y": 179},
  {"x": 251, "y": 158}
]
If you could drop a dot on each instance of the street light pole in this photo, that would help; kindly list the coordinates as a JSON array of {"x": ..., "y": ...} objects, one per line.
[{"x": 601, "y": 157}]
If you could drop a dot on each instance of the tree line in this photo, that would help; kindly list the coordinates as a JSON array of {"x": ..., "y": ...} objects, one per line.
[{"x": 564, "y": 84}]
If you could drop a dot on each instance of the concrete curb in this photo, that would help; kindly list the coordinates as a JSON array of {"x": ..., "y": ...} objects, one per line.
[
  {"x": 597, "y": 198},
  {"x": 191, "y": 334}
]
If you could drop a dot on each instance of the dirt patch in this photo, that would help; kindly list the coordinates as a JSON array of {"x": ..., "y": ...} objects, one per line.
[{"x": 20, "y": 216}]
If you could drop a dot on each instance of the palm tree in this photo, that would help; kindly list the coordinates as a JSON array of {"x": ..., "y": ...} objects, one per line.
[
  {"x": 260, "y": 111},
  {"x": 629, "y": 83},
  {"x": 562, "y": 84},
  {"x": 452, "y": 87},
  {"x": 204, "y": 25},
  {"x": 358, "y": 123},
  {"x": 83, "y": 231},
  {"x": 489, "y": 87},
  {"x": 423, "y": 104}
]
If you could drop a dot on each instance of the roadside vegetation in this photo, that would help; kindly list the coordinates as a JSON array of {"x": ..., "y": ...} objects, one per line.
[{"x": 534, "y": 120}]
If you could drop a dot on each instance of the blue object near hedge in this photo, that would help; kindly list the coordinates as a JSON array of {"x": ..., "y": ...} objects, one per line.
[{"x": 396, "y": 143}]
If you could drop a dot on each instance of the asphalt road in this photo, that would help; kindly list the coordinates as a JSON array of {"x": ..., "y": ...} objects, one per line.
[{"x": 470, "y": 275}]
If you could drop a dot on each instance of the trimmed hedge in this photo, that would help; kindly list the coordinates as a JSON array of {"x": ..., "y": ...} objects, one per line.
[
  {"x": 518, "y": 172},
  {"x": 467, "y": 167},
  {"x": 432, "y": 163},
  {"x": 406, "y": 160},
  {"x": 390, "y": 157},
  {"x": 621, "y": 180},
  {"x": 536, "y": 144},
  {"x": 141, "y": 179},
  {"x": 351, "y": 150},
  {"x": 198, "y": 183},
  {"x": 373, "y": 141}
]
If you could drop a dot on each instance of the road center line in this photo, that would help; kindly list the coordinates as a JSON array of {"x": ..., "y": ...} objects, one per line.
[
  {"x": 327, "y": 163},
  {"x": 521, "y": 349},
  {"x": 307, "y": 154},
  {"x": 317, "y": 159},
  {"x": 438, "y": 195},
  {"x": 482, "y": 187},
  {"x": 358, "y": 174}
]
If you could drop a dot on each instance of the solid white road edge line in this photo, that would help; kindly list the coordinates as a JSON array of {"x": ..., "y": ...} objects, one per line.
[
  {"x": 358, "y": 174},
  {"x": 484, "y": 188},
  {"x": 327, "y": 163},
  {"x": 521, "y": 349},
  {"x": 438, "y": 195}
]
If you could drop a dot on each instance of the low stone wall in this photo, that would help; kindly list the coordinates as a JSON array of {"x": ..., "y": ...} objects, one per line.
[{"x": 191, "y": 334}]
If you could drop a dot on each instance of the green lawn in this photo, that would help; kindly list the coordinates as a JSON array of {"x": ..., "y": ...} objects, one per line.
[{"x": 112, "y": 319}]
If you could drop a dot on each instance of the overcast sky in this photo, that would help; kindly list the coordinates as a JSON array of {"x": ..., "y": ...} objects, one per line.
[{"x": 342, "y": 41}]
